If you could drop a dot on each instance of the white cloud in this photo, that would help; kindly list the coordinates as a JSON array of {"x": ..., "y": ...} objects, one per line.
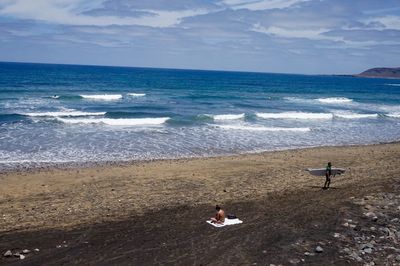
[
  {"x": 311, "y": 34},
  {"x": 238, "y": 2},
  {"x": 389, "y": 22},
  {"x": 261, "y": 5},
  {"x": 319, "y": 35},
  {"x": 69, "y": 13}
]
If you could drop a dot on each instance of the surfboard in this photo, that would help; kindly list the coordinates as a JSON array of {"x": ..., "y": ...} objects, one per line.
[{"x": 322, "y": 171}]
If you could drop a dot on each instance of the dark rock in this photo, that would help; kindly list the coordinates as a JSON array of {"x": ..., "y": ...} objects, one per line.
[
  {"x": 357, "y": 228},
  {"x": 386, "y": 231}
]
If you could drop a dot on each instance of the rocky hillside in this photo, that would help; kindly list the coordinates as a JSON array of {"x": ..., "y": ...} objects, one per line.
[{"x": 381, "y": 72}]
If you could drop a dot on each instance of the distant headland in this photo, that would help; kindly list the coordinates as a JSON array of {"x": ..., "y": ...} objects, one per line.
[{"x": 381, "y": 72}]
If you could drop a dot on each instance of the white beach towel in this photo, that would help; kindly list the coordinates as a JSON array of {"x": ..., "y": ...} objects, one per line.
[{"x": 227, "y": 222}]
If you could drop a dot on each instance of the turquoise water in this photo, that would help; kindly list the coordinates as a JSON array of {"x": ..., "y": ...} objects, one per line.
[{"x": 52, "y": 114}]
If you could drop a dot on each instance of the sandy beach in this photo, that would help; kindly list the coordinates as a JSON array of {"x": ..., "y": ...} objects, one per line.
[{"x": 154, "y": 213}]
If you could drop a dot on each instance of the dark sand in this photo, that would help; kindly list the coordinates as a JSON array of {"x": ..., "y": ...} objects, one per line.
[{"x": 154, "y": 213}]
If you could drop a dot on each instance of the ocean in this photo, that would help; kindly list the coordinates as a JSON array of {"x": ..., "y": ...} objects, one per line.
[{"x": 76, "y": 115}]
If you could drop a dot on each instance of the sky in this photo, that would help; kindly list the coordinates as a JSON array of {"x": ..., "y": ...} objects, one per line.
[{"x": 281, "y": 36}]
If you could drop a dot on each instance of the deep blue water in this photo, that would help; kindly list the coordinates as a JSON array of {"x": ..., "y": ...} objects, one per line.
[{"x": 50, "y": 113}]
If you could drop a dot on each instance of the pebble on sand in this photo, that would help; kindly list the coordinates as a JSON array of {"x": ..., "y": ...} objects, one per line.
[
  {"x": 319, "y": 249},
  {"x": 294, "y": 261},
  {"x": 368, "y": 250},
  {"x": 372, "y": 216},
  {"x": 8, "y": 253}
]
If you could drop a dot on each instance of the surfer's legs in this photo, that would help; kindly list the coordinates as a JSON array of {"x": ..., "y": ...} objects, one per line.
[{"x": 327, "y": 182}]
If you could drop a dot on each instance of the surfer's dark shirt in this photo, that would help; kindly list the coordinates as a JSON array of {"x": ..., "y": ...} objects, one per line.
[{"x": 328, "y": 170}]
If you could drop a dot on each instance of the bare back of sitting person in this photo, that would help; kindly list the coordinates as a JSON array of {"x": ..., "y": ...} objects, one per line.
[{"x": 219, "y": 216}]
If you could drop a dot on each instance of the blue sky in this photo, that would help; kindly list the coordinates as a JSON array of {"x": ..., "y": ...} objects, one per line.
[{"x": 286, "y": 36}]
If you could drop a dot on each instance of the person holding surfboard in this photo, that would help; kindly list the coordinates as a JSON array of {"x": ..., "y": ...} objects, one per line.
[{"x": 328, "y": 174}]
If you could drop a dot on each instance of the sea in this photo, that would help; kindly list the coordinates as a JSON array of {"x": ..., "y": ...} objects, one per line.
[{"x": 53, "y": 115}]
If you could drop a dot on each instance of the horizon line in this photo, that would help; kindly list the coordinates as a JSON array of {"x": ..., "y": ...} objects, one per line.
[{"x": 172, "y": 68}]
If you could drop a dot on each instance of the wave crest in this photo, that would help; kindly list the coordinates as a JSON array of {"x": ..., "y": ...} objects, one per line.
[
  {"x": 68, "y": 113},
  {"x": 136, "y": 94},
  {"x": 105, "y": 97},
  {"x": 260, "y": 128},
  {"x": 393, "y": 115},
  {"x": 118, "y": 121},
  {"x": 295, "y": 115},
  {"x": 334, "y": 100},
  {"x": 228, "y": 116},
  {"x": 356, "y": 116}
]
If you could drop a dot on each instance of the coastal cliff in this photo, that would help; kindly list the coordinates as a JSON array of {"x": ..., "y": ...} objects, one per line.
[{"x": 381, "y": 72}]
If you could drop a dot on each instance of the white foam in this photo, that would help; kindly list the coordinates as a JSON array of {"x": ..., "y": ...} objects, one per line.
[
  {"x": 295, "y": 115},
  {"x": 118, "y": 121},
  {"x": 393, "y": 115},
  {"x": 136, "y": 94},
  {"x": 260, "y": 128},
  {"x": 355, "y": 116},
  {"x": 228, "y": 116},
  {"x": 66, "y": 113},
  {"x": 393, "y": 84},
  {"x": 105, "y": 97},
  {"x": 296, "y": 99},
  {"x": 334, "y": 100}
]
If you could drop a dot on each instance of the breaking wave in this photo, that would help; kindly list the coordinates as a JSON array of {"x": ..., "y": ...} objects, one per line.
[
  {"x": 334, "y": 100},
  {"x": 136, "y": 94},
  {"x": 356, "y": 116},
  {"x": 295, "y": 115},
  {"x": 228, "y": 116},
  {"x": 261, "y": 128},
  {"x": 104, "y": 97},
  {"x": 118, "y": 121},
  {"x": 65, "y": 113},
  {"x": 393, "y": 115}
]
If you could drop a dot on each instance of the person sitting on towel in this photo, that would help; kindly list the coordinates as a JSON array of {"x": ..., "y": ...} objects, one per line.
[{"x": 219, "y": 216}]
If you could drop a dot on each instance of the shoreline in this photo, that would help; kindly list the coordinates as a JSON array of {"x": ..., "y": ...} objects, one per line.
[
  {"x": 71, "y": 165},
  {"x": 154, "y": 212}
]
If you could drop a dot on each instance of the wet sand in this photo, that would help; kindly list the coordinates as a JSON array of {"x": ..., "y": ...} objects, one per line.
[{"x": 154, "y": 212}]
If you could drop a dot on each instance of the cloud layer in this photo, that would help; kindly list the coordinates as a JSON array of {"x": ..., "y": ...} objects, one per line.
[{"x": 296, "y": 36}]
